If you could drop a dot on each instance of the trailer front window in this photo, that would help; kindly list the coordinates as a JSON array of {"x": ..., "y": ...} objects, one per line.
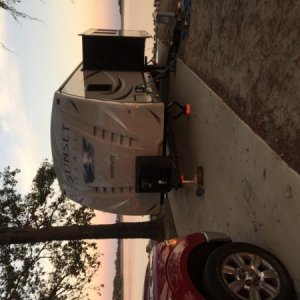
[{"x": 99, "y": 88}]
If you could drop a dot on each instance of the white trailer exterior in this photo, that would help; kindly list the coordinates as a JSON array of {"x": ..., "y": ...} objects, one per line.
[{"x": 101, "y": 121}]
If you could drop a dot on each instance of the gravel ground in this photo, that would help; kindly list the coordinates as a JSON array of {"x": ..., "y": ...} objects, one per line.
[{"x": 248, "y": 52}]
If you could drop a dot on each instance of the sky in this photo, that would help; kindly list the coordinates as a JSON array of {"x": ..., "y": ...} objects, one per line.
[{"x": 42, "y": 55}]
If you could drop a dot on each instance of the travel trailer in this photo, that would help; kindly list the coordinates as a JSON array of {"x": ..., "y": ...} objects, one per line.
[{"x": 108, "y": 128}]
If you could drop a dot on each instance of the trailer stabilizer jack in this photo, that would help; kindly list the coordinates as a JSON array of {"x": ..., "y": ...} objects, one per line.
[{"x": 197, "y": 183}]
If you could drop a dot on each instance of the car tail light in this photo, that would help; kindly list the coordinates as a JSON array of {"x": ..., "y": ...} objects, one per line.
[{"x": 172, "y": 242}]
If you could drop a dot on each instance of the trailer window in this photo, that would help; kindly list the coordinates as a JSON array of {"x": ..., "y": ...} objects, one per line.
[{"x": 99, "y": 88}]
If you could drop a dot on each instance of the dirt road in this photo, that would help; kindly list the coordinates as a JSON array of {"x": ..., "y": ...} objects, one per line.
[{"x": 248, "y": 52}]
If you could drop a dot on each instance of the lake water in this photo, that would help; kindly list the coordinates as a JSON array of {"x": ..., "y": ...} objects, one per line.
[{"x": 135, "y": 260}]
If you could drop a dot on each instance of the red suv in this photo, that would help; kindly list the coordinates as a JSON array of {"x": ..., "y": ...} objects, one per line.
[{"x": 209, "y": 266}]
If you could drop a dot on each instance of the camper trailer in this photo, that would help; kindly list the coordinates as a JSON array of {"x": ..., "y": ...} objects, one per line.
[{"x": 108, "y": 128}]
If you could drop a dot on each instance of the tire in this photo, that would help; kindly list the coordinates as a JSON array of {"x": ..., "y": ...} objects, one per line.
[{"x": 228, "y": 275}]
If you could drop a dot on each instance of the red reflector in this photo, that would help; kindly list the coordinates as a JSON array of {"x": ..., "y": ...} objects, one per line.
[{"x": 187, "y": 109}]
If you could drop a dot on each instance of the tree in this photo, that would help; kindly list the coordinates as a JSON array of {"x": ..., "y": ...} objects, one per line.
[
  {"x": 132, "y": 230},
  {"x": 10, "y": 6},
  {"x": 49, "y": 270},
  {"x": 44, "y": 226}
]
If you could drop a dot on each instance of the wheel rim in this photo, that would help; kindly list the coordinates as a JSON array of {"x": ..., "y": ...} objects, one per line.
[{"x": 250, "y": 277}]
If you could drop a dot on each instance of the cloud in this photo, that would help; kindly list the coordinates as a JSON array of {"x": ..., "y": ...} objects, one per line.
[{"x": 17, "y": 140}]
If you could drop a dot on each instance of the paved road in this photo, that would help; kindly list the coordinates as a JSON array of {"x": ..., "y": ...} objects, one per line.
[{"x": 250, "y": 193}]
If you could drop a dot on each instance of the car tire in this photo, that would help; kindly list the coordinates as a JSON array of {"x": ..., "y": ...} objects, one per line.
[{"x": 239, "y": 271}]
